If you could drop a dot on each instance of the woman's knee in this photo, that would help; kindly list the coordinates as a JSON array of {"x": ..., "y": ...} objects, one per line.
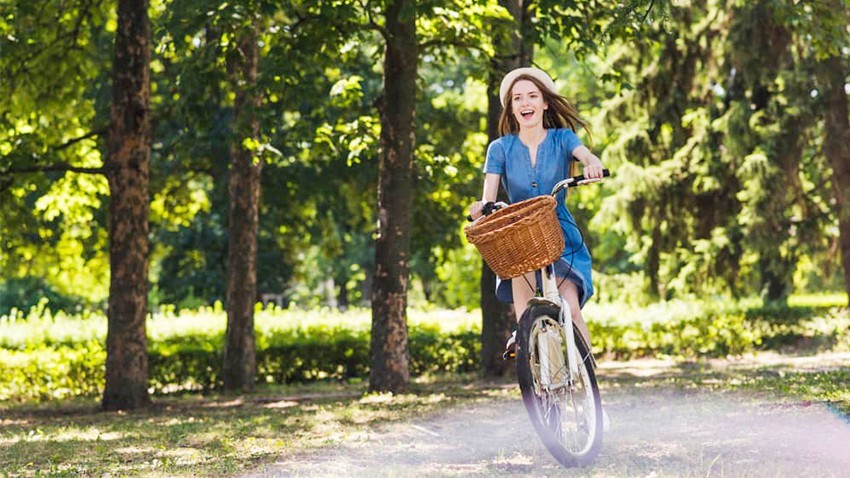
[{"x": 569, "y": 291}]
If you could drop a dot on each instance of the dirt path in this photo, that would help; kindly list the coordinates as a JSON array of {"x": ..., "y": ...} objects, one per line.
[{"x": 658, "y": 432}]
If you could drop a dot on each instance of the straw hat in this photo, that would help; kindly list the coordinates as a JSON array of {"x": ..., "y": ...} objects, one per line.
[{"x": 533, "y": 72}]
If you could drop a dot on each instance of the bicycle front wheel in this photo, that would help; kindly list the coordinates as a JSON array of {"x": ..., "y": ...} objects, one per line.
[{"x": 566, "y": 410}]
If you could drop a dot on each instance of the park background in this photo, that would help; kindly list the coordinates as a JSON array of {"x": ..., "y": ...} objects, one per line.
[{"x": 189, "y": 191}]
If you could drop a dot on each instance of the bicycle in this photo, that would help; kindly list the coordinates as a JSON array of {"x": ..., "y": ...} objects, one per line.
[{"x": 554, "y": 366}]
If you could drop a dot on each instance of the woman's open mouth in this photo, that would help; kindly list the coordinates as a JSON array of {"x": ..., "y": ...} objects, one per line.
[{"x": 526, "y": 114}]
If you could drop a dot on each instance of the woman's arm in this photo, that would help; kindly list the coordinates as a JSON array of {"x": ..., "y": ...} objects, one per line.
[
  {"x": 592, "y": 165},
  {"x": 491, "y": 189}
]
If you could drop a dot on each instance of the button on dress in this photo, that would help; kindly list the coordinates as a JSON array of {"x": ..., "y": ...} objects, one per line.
[{"x": 510, "y": 158}]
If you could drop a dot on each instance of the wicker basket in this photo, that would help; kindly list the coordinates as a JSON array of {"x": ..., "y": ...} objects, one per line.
[{"x": 520, "y": 238}]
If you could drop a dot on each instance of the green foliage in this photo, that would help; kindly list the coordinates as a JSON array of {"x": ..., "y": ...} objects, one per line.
[
  {"x": 829, "y": 386},
  {"x": 458, "y": 281},
  {"x": 715, "y": 328},
  {"x": 690, "y": 105},
  {"x": 27, "y": 292},
  {"x": 50, "y": 357},
  {"x": 52, "y": 373},
  {"x": 715, "y": 154},
  {"x": 55, "y": 61}
]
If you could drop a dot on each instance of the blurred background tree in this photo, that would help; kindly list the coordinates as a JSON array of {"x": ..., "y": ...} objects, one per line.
[{"x": 721, "y": 180}]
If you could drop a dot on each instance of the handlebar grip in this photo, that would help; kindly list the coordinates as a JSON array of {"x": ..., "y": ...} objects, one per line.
[
  {"x": 489, "y": 208},
  {"x": 580, "y": 178}
]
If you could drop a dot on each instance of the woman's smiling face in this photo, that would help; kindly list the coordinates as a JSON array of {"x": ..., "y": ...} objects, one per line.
[{"x": 527, "y": 104}]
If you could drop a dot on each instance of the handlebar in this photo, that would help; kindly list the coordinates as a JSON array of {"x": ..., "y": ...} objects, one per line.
[
  {"x": 489, "y": 208},
  {"x": 572, "y": 182}
]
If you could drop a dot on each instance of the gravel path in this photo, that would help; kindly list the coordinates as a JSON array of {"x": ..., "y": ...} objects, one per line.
[{"x": 655, "y": 432}]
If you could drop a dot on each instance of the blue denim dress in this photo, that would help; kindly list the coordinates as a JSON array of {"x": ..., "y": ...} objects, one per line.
[{"x": 510, "y": 158}]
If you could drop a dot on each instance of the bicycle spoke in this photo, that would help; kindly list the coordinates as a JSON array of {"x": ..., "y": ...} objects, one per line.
[{"x": 562, "y": 404}]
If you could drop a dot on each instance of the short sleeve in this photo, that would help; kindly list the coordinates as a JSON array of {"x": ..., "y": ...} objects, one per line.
[
  {"x": 495, "y": 161},
  {"x": 569, "y": 140}
]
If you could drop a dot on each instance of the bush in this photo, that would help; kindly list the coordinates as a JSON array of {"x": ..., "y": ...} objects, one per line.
[
  {"x": 47, "y": 357},
  {"x": 51, "y": 362},
  {"x": 44, "y": 373},
  {"x": 23, "y": 293}
]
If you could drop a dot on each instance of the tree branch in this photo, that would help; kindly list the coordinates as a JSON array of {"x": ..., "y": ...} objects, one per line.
[
  {"x": 49, "y": 168},
  {"x": 73, "y": 141},
  {"x": 60, "y": 166},
  {"x": 646, "y": 15},
  {"x": 372, "y": 24},
  {"x": 69, "y": 37},
  {"x": 437, "y": 43}
]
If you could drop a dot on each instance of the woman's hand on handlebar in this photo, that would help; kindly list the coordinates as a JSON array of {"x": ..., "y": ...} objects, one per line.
[
  {"x": 593, "y": 169},
  {"x": 475, "y": 209},
  {"x": 480, "y": 208},
  {"x": 592, "y": 173}
]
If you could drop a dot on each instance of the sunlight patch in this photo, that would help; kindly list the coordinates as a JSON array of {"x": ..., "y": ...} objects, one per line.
[
  {"x": 238, "y": 402},
  {"x": 178, "y": 421},
  {"x": 516, "y": 459},
  {"x": 436, "y": 398},
  {"x": 183, "y": 456},
  {"x": 71, "y": 434},
  {"x": 281, "y": 404},
  {"x": 135, "y": 450},
  {"x": 385, "y": 397},
  {"x": 8, "y": 422}
]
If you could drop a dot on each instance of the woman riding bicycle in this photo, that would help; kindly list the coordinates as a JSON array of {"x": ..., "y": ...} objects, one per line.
[{"x": 537, "y": 147}]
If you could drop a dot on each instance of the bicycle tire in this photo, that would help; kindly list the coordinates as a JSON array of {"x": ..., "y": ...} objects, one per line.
[{"x": 573, "y": 440}]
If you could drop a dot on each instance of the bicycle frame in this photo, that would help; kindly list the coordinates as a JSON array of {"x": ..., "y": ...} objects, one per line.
[
  {"x": 555, "y": 370},
  {"x": 551, "y": 296}
]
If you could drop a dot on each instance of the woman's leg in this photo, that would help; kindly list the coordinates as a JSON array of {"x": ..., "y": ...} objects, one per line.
[
  {"x": 522, "y": 293},
  {"x": 569, "y": 291}
]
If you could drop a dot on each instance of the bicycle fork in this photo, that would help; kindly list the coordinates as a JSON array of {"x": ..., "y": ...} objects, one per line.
[{"x": 550, "y": 363}]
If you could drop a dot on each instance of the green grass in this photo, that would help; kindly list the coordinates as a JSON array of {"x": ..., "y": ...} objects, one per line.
[
  {"x": 210, "y": 436},
  {"x": 808, "y": 379},
  {"x": 831, "y": 387},
  {"x": 222, "y": 435}
]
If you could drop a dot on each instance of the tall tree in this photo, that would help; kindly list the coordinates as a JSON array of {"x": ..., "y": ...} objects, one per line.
[
  {"x": 832, "y": 75},
  {"x": 389, "y": 357},
  {"x": 127, "y": 170},
  {"x": 771, "y": 77},
  {"x": 244, "y": 190},
  {"x": 836, "y": 147},
  {"x": 514, "y": 49}
]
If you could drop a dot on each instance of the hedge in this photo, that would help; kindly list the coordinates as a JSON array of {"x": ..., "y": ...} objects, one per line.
[
  {"x": 48, "y": 358},
  {"x": 193, "y": 363}
]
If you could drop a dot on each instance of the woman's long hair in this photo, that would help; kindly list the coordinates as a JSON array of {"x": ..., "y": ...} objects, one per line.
[{"x": 560, "y": 114}]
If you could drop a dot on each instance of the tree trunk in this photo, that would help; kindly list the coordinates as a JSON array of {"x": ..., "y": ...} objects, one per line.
[
  {"x": 836, "y": 147},
  {"x": 127, "y": 166},
  {"x": 777, "y": 266},
  {"x": 497, "y": 319},
  {"x": 389, "y": 358},
  {"x": 497, "y": 323},
  {"x": 244, "y": 191}
]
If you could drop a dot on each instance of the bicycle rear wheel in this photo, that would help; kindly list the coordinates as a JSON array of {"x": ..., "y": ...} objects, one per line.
[{"x": 567, "y": 413}]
